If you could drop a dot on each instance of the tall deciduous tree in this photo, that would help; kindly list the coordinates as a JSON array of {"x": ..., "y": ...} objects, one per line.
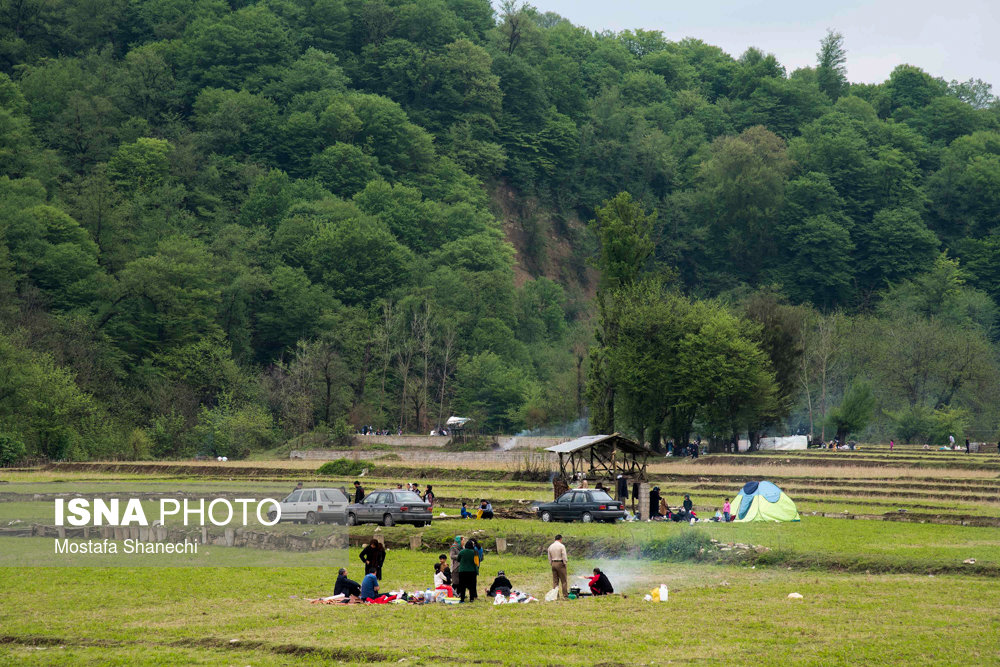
[{"x": 831, "y": 70}]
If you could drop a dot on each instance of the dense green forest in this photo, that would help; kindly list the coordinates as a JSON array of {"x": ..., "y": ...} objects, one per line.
[{"x": 226, "y": 224}]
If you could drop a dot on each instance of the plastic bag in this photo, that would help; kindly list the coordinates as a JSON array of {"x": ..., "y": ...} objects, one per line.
[
  {"x": 499, "y": 599},
  {"x": 658, "y": 594},
  {"x": 552, "y": 595},
  {"x": 664, "y": 593}
]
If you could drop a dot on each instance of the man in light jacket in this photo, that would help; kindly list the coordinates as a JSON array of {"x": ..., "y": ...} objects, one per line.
[{"x": 558, "y": 560}]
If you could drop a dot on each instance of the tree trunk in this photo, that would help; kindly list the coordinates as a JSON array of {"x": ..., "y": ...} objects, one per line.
[{"x": 448, "y": 340}]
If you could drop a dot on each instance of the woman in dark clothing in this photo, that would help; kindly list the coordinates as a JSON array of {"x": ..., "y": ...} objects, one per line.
[
  {"x": 599, "y": 583},
  {"x": 654, "y": 502},
  {"x": 500, "y": 585},
  {"x": 345, "y": 585},
  {"x": 468, "y": 570},
  {"x": 687, "y": 503},
  {"x": 373, "y": 556}
]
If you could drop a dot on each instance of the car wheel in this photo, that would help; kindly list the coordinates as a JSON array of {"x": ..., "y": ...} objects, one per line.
[
  {"x": 587, "y": 517},
  {"x": 272, "y": 515},
  {"x": 311, "y": 518},
  {"x": 546, "y": 517},
  {"x": 352, "y": 520},
  {"x": 388, "y": 521}
]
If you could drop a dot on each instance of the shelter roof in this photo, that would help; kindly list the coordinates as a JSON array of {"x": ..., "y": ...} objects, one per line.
[{"x": 587, "y": 441}]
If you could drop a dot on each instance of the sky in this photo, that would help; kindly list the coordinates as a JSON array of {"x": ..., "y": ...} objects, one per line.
[{"x": 952, "y": 40}]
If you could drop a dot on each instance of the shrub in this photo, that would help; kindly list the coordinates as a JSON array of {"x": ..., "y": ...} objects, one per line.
[
  {"x": 911, "y": 423},
  {"x": 138, "y": 446},
  {"x": 341, "y": 432},
  {"x": 234, "y": 431},
  {"x": 171, "y": 437},
  {"x": 477, "y": 444},
  {"x": 686, "y": 546},
  {"x": 342, "y": 467},
  {"x": 12, "y": 450},
  {"x": 947, "y": 421}
]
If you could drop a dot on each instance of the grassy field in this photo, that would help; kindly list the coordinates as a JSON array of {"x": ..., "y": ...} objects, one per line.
[
  {"x": 875, "y": 592},
  {"x": 714, "y": 614}
]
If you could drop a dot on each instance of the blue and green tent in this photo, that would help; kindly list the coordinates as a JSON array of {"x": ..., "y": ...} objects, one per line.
[{"x": 764, "y": 501}]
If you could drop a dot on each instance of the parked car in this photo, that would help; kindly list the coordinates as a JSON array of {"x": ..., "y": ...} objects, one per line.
[
  {"x": 314, "y": 506},
  {"x": 585, "y": 505},
  {"x": 389, "y": 507}
]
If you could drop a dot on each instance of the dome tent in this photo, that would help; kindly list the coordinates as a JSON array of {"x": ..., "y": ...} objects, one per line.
[{"x": 763, "y": 501}]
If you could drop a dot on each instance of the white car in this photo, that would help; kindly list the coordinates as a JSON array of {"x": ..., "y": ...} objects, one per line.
[{"x": 314, "y": 506}]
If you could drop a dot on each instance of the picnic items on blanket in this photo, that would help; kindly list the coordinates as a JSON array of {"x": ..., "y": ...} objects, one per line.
[{"x": 441, "y": 595}]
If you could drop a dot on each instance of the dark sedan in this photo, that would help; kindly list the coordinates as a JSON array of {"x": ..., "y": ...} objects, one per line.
[
  {"x": 582, "y": 505},
  {"x": 390, "y": 507}
]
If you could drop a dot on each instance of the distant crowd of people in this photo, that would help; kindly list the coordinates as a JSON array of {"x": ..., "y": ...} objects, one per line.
[
  {"x": 371, "y": 430},
  {"x": 427, "y": 496},
  {"x": 692, "y": 449}
]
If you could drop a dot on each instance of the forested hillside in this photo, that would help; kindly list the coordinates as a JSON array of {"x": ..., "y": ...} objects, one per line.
[{"x": 223, "y": 225}]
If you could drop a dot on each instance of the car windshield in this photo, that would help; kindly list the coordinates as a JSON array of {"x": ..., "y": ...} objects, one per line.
[
  {"x": 407, "y": 497},
  {"x": 600, "y": 496},
  {"x": 333, "y": 496}
]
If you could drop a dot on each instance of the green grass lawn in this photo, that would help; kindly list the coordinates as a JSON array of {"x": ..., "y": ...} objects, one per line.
[{"x": 714, "y": 614}]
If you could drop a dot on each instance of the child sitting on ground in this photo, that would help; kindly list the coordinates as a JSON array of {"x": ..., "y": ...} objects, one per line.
[
  {"x": 466, "y": 514},
  {"x": 442, "y": 579},
  {"x": 718, "y": 515}
]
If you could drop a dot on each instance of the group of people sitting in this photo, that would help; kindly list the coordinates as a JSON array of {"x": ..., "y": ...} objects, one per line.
[
  {"x": 659, "y": 510},
  {"x": 485, "y": 511},
  {"x": 371, "y": 430},
  {"x": 473, "y": 556}
]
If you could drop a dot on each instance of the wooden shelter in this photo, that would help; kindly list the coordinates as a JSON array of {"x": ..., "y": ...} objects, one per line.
[{"x": 602, "y": 457}]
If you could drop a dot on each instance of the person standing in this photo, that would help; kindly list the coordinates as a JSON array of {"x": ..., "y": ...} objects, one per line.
[
  {"x": 967, "y": 449},
  {"x": 453, "y": 552},
  {"x": 654, "y": 503},
  {"x": 951, "y": 442},
  {"x": 359, "y": 492},
  {"x": 688, "y": 505},
  {"x": 726, "y": 509},
  {"x": 892, "y": 443},
  {"x": 429, "y": 496},
  {"x": 468, "y": 572},
  {"x": 558, "y": 561},
  {"x": 373, "y": 556}
]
